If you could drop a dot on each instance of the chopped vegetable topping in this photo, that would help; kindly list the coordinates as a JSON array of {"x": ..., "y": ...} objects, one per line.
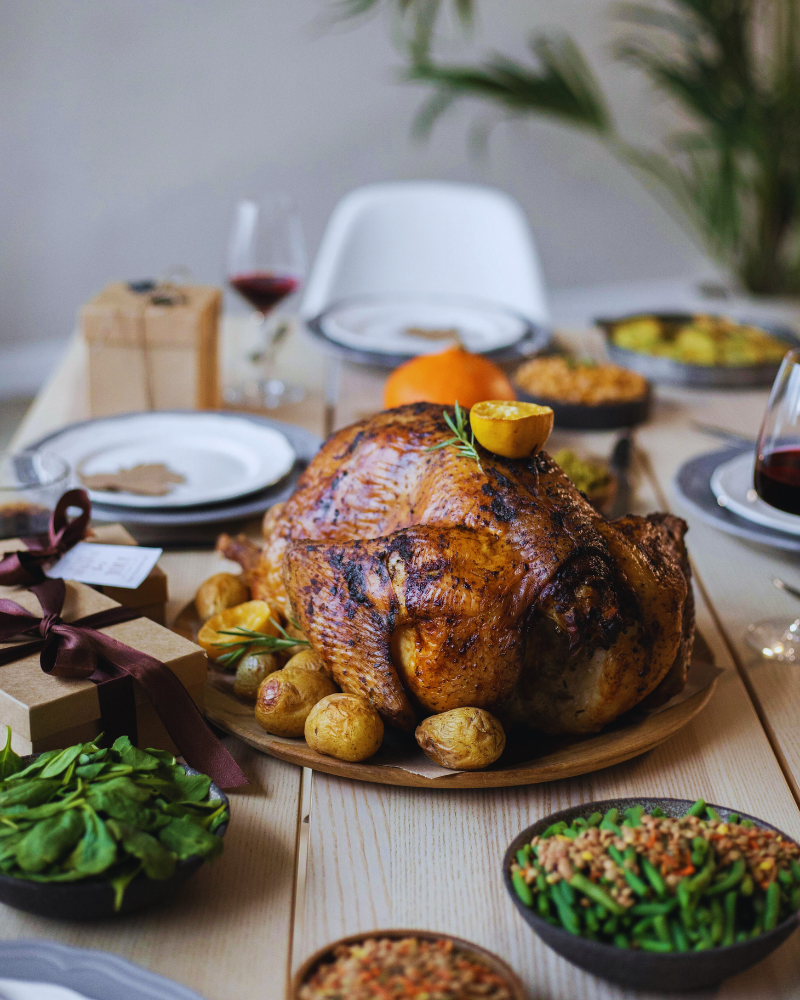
[
  {"x": 662, "y": 884},
  {"x": 392, "y": 969}
]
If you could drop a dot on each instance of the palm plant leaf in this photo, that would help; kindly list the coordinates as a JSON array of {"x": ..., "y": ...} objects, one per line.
[
  {"x": 562, "y": 85},
  {"x": 732, "y": 66}
]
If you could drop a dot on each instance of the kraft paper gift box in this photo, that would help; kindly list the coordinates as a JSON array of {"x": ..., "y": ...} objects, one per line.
[
  {"x": 150, "y": 597},
  {"x": 147, "y": 354},
  {"x": 47, "y": 712}
]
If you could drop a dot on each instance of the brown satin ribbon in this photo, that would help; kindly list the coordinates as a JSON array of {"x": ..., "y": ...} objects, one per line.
[
  {"x": 25, "y": 568},
  {"x": 77, "y": 649}
]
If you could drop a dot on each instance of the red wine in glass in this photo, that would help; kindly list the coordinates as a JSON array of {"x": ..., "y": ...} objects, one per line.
[
  {"x": 264, "y": 289},
  {"x": 777, "y": 479},
  {"x": 265, "y": 265},
  {"x": 777, "y": 482}
]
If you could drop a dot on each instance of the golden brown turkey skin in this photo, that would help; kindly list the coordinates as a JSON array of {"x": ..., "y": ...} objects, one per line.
[{"x": 419, "y": 575}]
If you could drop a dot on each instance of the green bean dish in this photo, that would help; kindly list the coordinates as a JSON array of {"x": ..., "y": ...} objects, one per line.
[
  {"x": 650, "y": 882},
  {"x": 111, "y": 813}
]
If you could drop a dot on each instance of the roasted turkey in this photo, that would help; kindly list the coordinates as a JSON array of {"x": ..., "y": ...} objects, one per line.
[{"x": 428, "y": 581}]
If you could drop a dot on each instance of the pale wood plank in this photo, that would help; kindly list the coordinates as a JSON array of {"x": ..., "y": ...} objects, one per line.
[
  {"x": 381, "y": 857},
  {"x": 738, "y": 574}
]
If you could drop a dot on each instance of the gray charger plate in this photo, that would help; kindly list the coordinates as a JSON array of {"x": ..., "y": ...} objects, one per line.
[
  {"x": 692, "y": 484},
  {"x": 179, "y": 526},
  {"x": 95, "y": 974}
]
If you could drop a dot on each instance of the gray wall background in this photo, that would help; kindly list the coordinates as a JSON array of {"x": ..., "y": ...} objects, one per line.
[{"x": 129, "y": 127}]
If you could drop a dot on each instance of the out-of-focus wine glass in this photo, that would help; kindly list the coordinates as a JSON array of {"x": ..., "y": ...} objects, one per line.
[
  {"x": 266, "y": 264},
  {"x": 777, "y": 482}
]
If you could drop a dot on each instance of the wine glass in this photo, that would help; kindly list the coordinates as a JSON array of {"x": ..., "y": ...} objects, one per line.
[
  {"x": 266, "y": 264},
  {"x": 777, "y": 482}
]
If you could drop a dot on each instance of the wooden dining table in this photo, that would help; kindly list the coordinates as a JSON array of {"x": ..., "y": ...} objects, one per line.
[{"x": 310, "y": 857}]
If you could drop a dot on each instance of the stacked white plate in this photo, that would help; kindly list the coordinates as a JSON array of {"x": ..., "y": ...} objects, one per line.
[
  {"x": 232, "y": 466},
  {"x": 732, "y": 485},
  {"x": 386, "y": 330}
]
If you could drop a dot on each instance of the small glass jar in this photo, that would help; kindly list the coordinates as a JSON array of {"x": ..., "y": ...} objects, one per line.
[{"x": 31, "y": 483}]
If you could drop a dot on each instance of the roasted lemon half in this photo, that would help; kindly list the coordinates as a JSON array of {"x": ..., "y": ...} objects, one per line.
[
  {"x": 511, "y": 429},
  {"x": 255, "y": 615}
]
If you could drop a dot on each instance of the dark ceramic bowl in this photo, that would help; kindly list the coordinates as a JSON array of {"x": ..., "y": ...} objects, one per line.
[
  {"x": 496, "y": 964},
  {"x": 601, "y": 417},
  {"x": 93, "y": 899},
  {"x": 675, "y": 971}
]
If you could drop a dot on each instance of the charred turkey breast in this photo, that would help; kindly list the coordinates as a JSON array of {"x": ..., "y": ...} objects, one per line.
[{"x": 427, "y": 581}]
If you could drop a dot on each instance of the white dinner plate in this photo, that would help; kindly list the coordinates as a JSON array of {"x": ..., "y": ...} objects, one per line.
[
  {"x": 95, "y": 975},
  {"x": 385, "y": 324},
  {"x": 221, "y": 456},
  {"x": 732, "y": 484}
]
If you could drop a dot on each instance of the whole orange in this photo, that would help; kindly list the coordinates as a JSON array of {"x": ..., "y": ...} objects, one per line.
[{"x": 451, "y": 375}]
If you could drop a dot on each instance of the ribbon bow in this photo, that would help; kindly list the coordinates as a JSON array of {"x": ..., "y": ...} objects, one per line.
[
  {"x": 77, "y": 649},
  {"x": 25, "y": 568}
]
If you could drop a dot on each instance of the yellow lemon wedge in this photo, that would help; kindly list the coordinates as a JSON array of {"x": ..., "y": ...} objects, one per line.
[
  {"x": 254, "y": 615},
  {"x": 511, "y": 429}
]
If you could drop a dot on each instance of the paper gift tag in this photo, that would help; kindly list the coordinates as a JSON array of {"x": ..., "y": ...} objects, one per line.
[{"x": 106, "y": 565}]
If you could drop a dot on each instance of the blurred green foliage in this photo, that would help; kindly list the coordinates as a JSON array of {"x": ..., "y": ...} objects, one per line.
[{"x": 732, "y": 67}]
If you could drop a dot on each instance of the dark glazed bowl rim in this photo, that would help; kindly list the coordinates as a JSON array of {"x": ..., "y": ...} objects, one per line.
[
  {"x": 497, "y": 964},
  {"x": 189, "y": 864},
  {"x": 599, "y": 953}
]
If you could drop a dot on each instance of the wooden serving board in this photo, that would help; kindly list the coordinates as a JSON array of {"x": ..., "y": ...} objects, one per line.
[{"x": 564, "y": 760}]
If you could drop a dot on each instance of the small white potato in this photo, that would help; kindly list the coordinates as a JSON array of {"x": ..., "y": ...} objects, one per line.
[
  {"x": 286, "y": 697},
  {"x": 464, "y": 739},
  {"x": 345, "y": 726},
  {"x": 251, "y": 671}
]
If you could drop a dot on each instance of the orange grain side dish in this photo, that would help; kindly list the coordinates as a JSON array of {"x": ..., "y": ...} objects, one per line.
[
  {"x": 396, "y": 969},
  {"x": 450, "y": 375}
]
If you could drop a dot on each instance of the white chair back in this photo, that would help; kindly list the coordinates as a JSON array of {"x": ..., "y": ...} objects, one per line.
[{"x": 428, "y": 237}]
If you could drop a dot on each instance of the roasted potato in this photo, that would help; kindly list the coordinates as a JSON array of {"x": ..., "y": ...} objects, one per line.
[
  {"x": 465, "y": 739},
  {"x": 252, "y": 670},
  {"x": 345, "y": 726},
  {"x": 218, "y": 592},
  {"x": 286, "y": 697},
  {"x": 254, "y": 615},
  {"x": 307, "y": 659}
]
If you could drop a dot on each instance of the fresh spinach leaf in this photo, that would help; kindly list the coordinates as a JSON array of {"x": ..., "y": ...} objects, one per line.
[
  {"x": 132, "y": 790},
  {"x": 10, "y": 762},
  {"x": 28, "y": 793},
  {"x": 96, "y": 851},
  {"x": 193, "y": 787},
  {"x": 157, "y": 861},
  {"x": 61, "y": 762},
  {"x": 120, "y": 883},
  {"x": 140, "y": 760},
  {"x": 50, "y": 840},
  {"x": 186, "y": 839}
]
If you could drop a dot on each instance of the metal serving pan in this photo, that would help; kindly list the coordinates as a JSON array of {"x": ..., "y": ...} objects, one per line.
[{"x": 665, "y": 371}]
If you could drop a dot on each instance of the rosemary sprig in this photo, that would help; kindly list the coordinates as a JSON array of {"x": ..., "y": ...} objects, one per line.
[
  {"x": 248, "y": 641},
  {"x": 464, "y": 444}
]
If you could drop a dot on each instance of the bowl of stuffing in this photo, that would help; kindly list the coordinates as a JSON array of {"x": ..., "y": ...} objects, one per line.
[
  {"x": 584, "y": 394},
  {"x": 651, "y": 890},
  {"x": 405, "y": 963}
]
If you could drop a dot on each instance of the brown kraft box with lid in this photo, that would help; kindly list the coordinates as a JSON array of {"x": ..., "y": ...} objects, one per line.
[
  {"x": 47, "y": 712},
  {"x": 150, "y": 597},
  {"x": 148, "y": 351}
]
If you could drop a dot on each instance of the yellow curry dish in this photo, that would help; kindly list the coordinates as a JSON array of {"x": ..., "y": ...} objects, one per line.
[{"x": 709, "y": 341}]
